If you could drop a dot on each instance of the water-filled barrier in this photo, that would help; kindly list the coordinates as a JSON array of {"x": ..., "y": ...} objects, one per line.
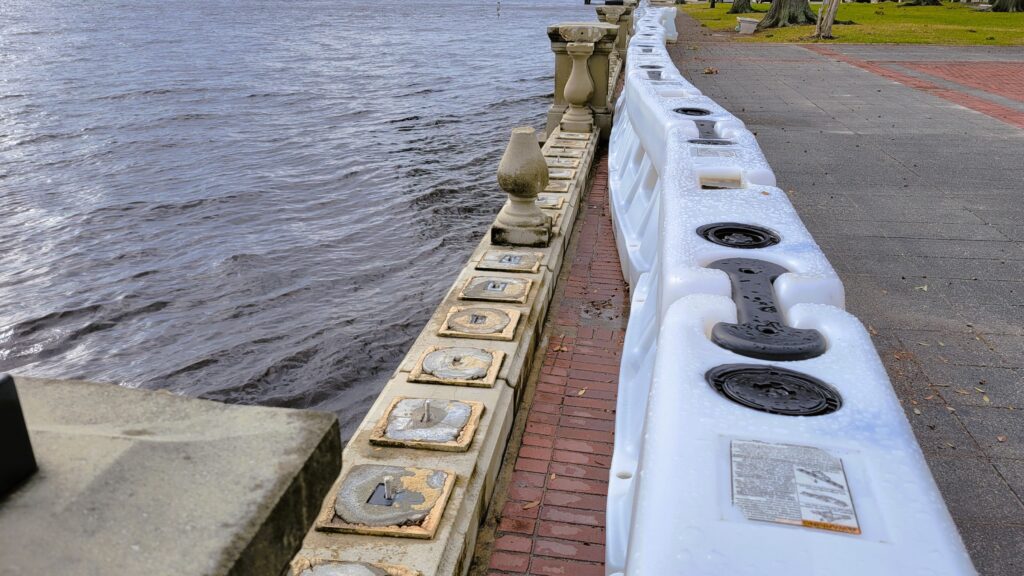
[{"x": 757, "y": 432}]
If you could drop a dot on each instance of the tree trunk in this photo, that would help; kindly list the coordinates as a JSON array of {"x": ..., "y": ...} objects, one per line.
[
  {"x": 787, "y": 13},
  {"x": 921, "y": 3},
  {"x": 741, "y": 7},
  {"x": 826, "y": 17},
  {"x": 1008, "y": 6}
]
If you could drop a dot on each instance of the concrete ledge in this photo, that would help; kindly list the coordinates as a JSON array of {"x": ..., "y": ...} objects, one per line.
[{"x": 141, "y": 482}]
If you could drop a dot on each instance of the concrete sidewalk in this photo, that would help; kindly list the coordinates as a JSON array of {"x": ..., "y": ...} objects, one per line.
[{"x": 906, "y": 165}]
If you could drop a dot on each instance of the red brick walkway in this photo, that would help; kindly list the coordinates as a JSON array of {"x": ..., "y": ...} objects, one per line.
[
  {"x": 553, "y": 519},
  {"x": 1004, "y": 79}
]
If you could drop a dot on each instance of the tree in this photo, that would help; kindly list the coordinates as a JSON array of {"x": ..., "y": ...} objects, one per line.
[
  {"x": 741, "y": 7},
  {"x": 1008, "y": 6},
  {"x": 787, "y": 13},
  {"x": 920, "y": 3},
  {"x": 826, "y": 16}
]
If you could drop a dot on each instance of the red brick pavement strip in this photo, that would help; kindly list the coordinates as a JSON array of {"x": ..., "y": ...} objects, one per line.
[
  {"x": 552, "y": 522},
  {"x": 1005, "y": 79},
  {"x": 954, "y": 72}
]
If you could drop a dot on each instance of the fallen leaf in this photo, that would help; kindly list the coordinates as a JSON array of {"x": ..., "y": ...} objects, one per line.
[
  {"x": 979, "y": 389},
  {"x": 950, "y": 444},
  {"x": 917, "y": 411},
  {"x": 941, "y": 343},
  {"x": 985, "y": 399},
  {"x": 872, "y": 330},
  {"x": 922, "y": 344},
  {"x": 950, "y": 408},
  {"x": 710, "y": 70},
  {"x": 581, "y": 392},
  {"x": 921, "y": 288},
  {"x": 1001, "y": 438},
  {"x": 929, "y": 397},
  {"x": 553, "y": 476},
  {"x": 961, "y": 391},
  {"x": 530, "y": 505}
]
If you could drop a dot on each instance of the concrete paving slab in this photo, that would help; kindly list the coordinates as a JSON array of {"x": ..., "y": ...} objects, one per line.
[{"x": 141, "y": 482}]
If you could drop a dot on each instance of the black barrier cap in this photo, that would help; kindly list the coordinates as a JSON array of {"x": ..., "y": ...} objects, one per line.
[
  {"x": 736, "y": 235},
  {"x": 774, "y": 390}
]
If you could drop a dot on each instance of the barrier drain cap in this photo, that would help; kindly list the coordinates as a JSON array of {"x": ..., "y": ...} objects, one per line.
[
  {"x": 774, "y": 390},
  {"x": 497, "y": 289},
  {"x": 711, "y": 142},
  {"x": 510, "y": 261},
  {"x": 428, "y": 423},
  {"x": 736, "y": 235},
  {"x": 692, "y": 111},
  {"x": 388, "y": 501},
  {"x": 486, "y": 322}
]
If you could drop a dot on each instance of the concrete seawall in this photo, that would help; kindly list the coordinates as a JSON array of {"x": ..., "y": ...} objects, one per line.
[{"x": 421, "y": 470}]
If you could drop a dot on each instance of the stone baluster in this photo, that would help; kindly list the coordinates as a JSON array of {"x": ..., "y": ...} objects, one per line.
[
  {"x": 578, "y": 90},
  {"x": 522, "y": 174},
  {"x": 617, "y": 15},
  {"x": 581, "y": 82}
]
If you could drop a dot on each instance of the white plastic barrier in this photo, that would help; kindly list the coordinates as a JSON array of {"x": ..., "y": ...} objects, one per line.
[
  {"x": 863, "y": 499},
  {"x": 678, "y": 164}
]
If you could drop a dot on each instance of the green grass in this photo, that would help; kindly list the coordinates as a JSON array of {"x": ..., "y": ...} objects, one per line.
[{"x": 953, "y": 24}]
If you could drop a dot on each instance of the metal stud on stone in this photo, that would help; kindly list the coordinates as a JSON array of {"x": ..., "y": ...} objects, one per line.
[
  {"x": 458, "y": 365},
  {"x": 482, "y": 322},
  {"x": 388, "y": 501},
  {"x": 447, "y": 425},
  {"x": 497, "y": 289},
  {"x": 522, "y": 174}
]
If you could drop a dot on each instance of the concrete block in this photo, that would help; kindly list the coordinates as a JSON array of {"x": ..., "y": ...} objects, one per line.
[{"x": 142, "y": 482}]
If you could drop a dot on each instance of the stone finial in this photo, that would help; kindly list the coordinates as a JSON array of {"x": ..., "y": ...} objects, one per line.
[{"x": 523, "y": 174}]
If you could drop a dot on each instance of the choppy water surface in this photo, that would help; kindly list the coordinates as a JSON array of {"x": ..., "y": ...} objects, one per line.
[{"x": 256, "y": 202}]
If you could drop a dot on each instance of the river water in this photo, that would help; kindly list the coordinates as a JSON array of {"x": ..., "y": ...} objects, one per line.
[{"x": 254, "y": 202}]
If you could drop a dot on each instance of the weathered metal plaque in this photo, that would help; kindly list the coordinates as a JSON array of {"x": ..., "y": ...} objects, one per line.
[
  {"x": 567, "y": 143},
  {"x": 564, "y": 152},
  {"x": 550, "y": 201},
  {"x": 430, "y": 424},
  {"x": 482, "y": 322},
  {"x": 510, "y": 261},
  {"x": 562, "y": 162},
  {"x": 497, "y": 289},
  {"x": 458, "y": 366},
  {"x": 574, "y": 135},
  {"x": 558, "y": 186},
  {"x": 304, "y": 566},
  {"x": 387, "y": 501},
  {"x": 560, "y": 174}
]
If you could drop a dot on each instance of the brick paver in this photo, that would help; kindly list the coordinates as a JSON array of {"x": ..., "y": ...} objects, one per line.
[{"x": 552, "y": 515}]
